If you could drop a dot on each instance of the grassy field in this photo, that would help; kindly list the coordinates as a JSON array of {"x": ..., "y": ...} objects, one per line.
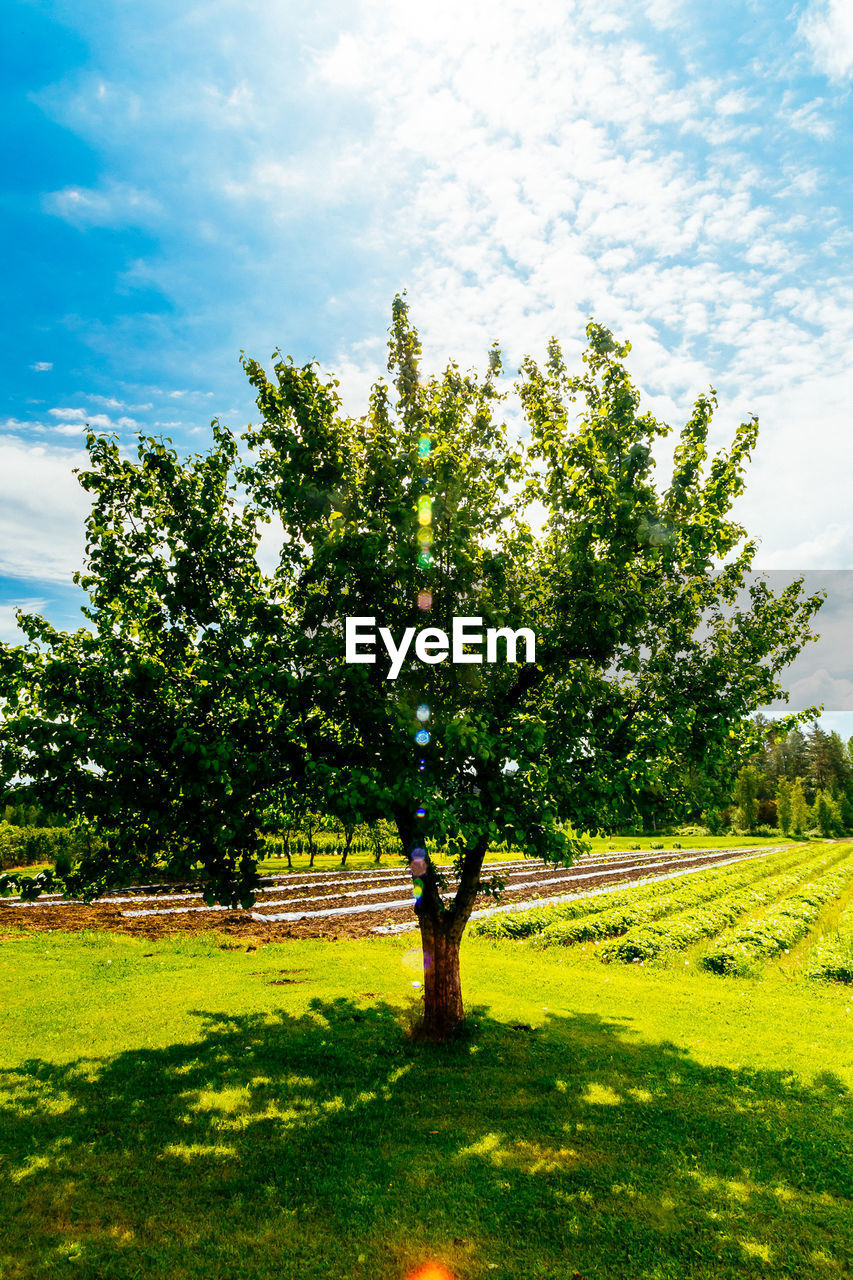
[{"x": 190, "y": 1108}]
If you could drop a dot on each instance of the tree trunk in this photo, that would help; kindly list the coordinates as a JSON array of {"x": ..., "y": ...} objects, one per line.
[{"x": 443, "y": 1009}]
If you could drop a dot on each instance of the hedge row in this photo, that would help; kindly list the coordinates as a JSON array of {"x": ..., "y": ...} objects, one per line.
[
  {"x": 780, "y": 929},
  {"x": 687, "y": 927}
]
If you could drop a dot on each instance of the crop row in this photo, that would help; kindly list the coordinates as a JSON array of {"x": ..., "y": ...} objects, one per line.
[
  {"x": 619, "y": 910},
  {"x": 831, "y": 957},
  {"x": 671, "y": 897},
  {"x": 537, "y": 919},
  {"x": 685, "y": 928},
  {"x": 781, "y": 928}
]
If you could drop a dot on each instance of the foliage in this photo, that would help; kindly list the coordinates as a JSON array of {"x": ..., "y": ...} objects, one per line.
[
  {"x": 21, "y": 846},
  {"x": 746, "y": 797},
  {"x": 166, "y": 724},
  {"x": 826, "y": 814},
  {"x": 799, "y": 809},
  {"x": 612, "y": 913},
  {"x": 684, "y": 928}
]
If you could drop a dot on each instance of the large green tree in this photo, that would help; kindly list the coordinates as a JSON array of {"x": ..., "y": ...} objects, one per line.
[{"x": 419, "y": 513}]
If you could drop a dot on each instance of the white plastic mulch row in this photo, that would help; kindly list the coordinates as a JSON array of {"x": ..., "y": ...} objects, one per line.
[
  {"x": 290, "y": 916},
  {"x": 293, "y": 916},
  {"x": 142, "y": 893},
  {"x": 394, "y": 876},
  {"x": 629, "y": 864}
]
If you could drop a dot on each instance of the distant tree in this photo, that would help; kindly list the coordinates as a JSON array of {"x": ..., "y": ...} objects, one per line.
[
  {"x": 799, "y": 808},
  {"x": 783, "y": 806},
  {"x": 825, "y": 814},
  {"x": 794, "y": 754},
  {"x": 746, "y": 797}
]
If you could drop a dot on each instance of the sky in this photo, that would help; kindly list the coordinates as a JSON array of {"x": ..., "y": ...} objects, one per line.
[{"x": 187, "y": 181}]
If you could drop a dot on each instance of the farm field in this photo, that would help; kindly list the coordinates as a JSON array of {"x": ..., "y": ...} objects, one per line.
[
  {"x": 205, "y": 1106},
  {"x": 358, "y": 901},
  {"x": 733, "y": 918}
]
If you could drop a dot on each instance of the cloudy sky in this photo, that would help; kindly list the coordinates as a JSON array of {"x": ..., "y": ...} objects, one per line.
[{"x": 187, "y": 181}]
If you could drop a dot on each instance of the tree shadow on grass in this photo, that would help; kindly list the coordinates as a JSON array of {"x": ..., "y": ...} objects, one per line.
[{"x": 329, "y": 1145}]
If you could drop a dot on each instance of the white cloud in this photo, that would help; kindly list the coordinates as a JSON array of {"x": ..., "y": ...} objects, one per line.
[
  {"x": 827, "y": 26},
  {"x": 42, "y": 366},
  {"x": 836, "y": 694},
  {"x": 42, "y": 512},
  {"x": 116, "y": 205}
]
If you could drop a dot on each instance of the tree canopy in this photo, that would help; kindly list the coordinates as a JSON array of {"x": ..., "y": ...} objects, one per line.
[{"x": 207, "y": 691}]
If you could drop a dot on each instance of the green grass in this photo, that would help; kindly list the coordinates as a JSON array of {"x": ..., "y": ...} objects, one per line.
[{"x": 190, "y": 1108}]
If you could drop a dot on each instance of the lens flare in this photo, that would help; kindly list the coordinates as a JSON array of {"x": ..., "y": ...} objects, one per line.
[
  {"x": 421, "y": 737},
  {"x": 423, "y": 713},
  {"x": 424, "y": 446},
  {"x": 424, "y": 509},
  {"x": 420, "y": 813},
  {"x": 431, "y": 1271},
  {"x": 425, "y": 600},
  {"x": 424, "y": 559},
  {"x": 425, "y": 537}
]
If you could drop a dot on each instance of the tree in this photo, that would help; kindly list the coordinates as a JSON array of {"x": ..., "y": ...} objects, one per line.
[
  {"x": 746, "y": 797},
  {"x": 783, "y": 806},
  {"x": 164, "y": 724},
  {"x": 826, "y": 814},
  {"x": 418, "y": 515},
  {"x": 799, "y": 808}
]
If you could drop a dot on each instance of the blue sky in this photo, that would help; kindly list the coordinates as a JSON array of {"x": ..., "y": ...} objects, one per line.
[{"x": 189, "y": 181}]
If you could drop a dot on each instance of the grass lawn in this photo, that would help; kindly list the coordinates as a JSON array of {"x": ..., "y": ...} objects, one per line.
[{"x": 190, "y": 1108}]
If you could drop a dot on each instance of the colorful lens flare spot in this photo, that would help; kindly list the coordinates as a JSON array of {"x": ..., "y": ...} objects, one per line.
[
  {"x": 423, "y": 713},
  {"x": 424, "y": 447},
  {"x": 425, "y": 600},
  {"x": 420, "y": 813},
  {"x": 424, "y": 509},
  {"x": 431, "y": 1271},
  {"x": 424, "y": 559},
  {"x": 425, "y": 537},
  {"x": 421, "y": 737}
]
